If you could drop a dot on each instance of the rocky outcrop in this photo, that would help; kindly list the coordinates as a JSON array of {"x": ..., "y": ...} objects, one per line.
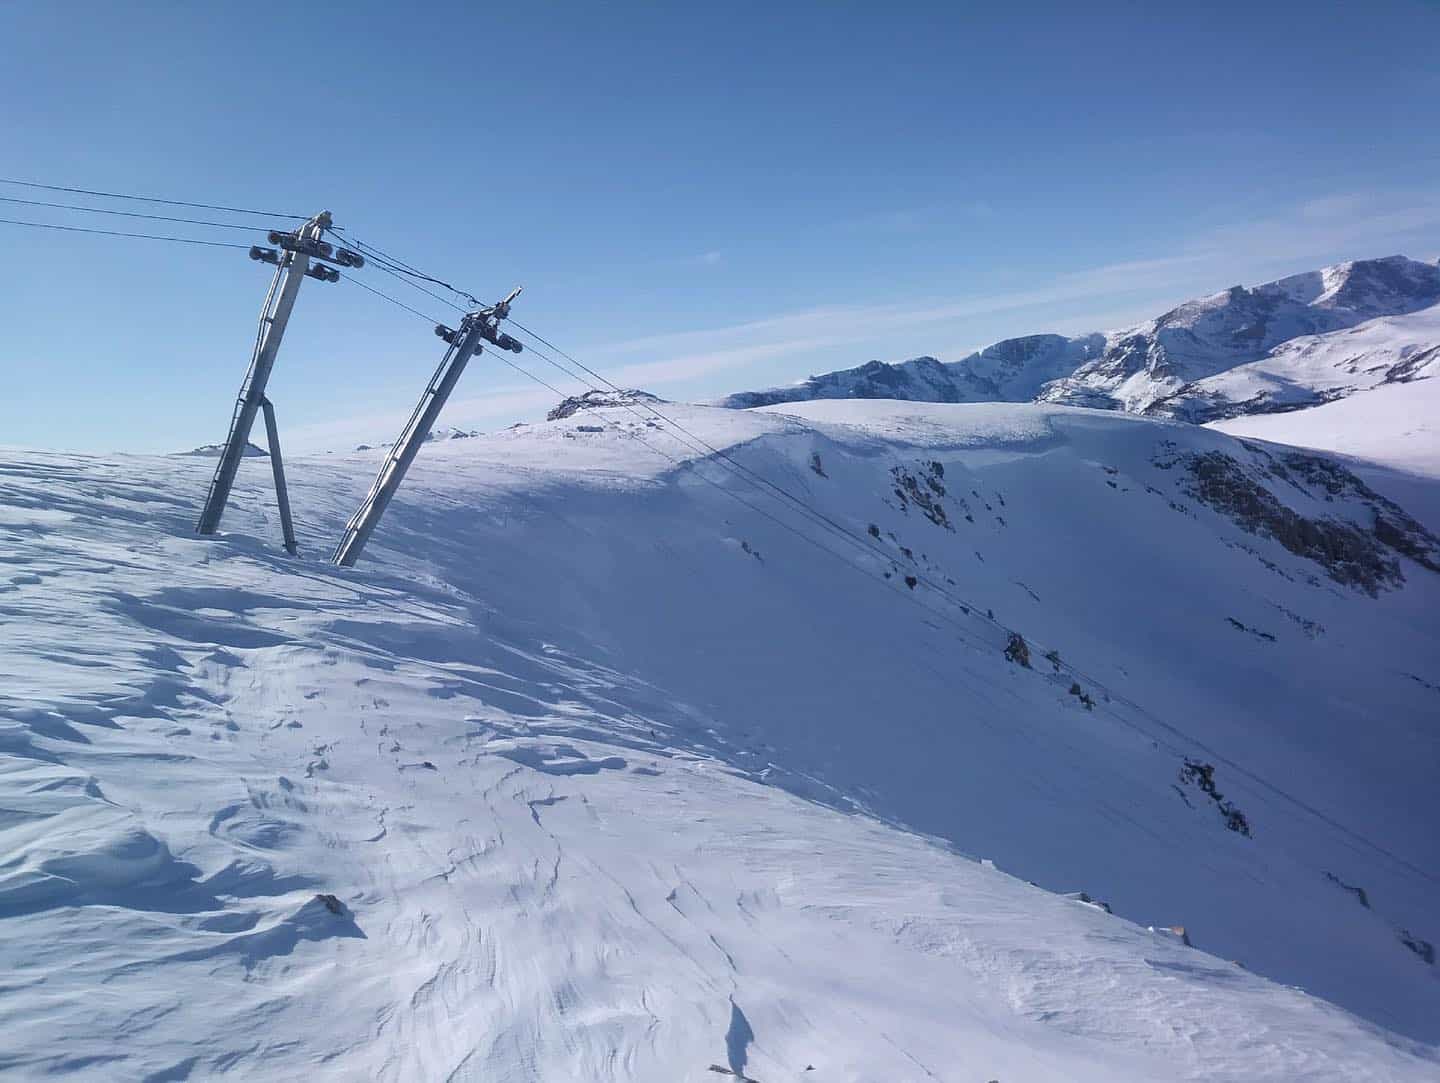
[
  {"x": 594, "y": 400},
  {"x": 1359, "y": 548}
]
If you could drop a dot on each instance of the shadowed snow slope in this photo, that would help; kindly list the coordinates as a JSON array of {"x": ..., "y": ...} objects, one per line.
[{"x": 594, "y": 771}]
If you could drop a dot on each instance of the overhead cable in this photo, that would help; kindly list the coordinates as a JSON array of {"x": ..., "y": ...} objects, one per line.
[
  {"x": 132, "y": 214},
  {"x": 150, "y": 199},
  {"x": 119, "y": 233}
]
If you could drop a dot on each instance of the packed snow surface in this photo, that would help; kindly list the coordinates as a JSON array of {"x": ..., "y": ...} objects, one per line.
[{"x": 599, "y": 767}]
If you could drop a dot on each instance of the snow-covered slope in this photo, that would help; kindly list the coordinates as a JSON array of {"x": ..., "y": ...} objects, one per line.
[
  {"x": 1296, "y": 342},
  {"x": 598, "y": 769}
]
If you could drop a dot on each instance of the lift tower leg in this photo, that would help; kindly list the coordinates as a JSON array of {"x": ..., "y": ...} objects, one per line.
[
  {"x": 476, "y": 328},
  {"x": 277, "y": 466},
  {"x": 292, "y": 268}
]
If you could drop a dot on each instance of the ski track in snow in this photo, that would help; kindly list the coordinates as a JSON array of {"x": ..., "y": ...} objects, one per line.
[{"x": 600, "y": 795}]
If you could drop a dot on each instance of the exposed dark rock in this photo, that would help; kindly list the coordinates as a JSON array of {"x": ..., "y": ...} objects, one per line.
[
  {"x": 1422, "y": 948},
  {"x": 1017, "y": 650},
  {"x": 1253, "y": 631},
  {"x": 1202, "y": 775},
  {"x": 1358, "y": 892},
  {"x": 925, "y": 491}
]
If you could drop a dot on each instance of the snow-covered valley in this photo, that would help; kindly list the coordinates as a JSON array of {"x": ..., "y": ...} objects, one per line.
[{"x": 598, "y": 767}]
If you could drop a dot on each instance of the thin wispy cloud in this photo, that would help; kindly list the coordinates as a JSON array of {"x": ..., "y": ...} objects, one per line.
[{"x": 1355, "y": 224}]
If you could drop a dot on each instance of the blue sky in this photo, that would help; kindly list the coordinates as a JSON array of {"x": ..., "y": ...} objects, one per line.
[{"x": 697, "y": 198}]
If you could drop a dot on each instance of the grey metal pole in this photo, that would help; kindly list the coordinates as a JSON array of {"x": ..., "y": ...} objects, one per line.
[
  {"x": 277, "y": 313},
  {"x": 402, "y": 453},
  {"x": 277, "y": 466}
]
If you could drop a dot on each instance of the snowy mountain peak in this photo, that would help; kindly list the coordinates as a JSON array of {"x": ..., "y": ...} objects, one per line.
[{"x": 1176, "y": 364}]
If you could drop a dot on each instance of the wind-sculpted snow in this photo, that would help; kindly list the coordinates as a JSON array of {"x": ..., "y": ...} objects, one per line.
[{"x": 592, "y": 771}]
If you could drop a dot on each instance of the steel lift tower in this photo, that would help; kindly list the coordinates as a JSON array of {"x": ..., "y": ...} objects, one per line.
[
  {"x": 291, "y": 269},
  {"x": 476, "y": 328}
]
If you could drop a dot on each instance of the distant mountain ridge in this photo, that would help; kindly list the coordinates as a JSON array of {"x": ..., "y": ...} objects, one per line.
[
  {"x": 213, "y": 451},
  {"x": 1295, "y": 342}
]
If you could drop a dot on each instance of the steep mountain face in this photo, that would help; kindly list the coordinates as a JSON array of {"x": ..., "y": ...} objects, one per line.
[
  {"x": 602, "y": 767},
  {"x": 1279, "y": 346}
]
